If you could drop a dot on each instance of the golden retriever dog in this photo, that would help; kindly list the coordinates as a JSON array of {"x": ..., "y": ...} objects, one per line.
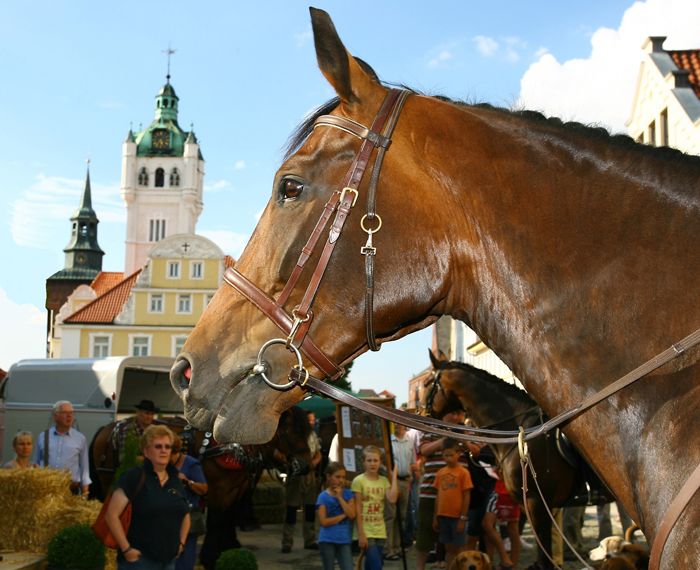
[{"x": 470, "y": 560}]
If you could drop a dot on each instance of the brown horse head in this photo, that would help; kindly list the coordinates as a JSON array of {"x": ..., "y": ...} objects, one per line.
[{"x": 222, "y": 350}]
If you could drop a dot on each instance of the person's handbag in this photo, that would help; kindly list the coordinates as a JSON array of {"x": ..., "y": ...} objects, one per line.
[{"x": 100, "y": 527}]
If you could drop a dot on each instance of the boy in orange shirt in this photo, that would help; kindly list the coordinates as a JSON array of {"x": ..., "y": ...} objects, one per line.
[{"x": 453, "y": 483}]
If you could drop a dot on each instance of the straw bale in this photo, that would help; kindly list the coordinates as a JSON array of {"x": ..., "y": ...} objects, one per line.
[{"x": 35, "y": 504}]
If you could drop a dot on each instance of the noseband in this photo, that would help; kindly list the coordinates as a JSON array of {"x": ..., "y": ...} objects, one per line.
[{"x": 295, "y": 323}]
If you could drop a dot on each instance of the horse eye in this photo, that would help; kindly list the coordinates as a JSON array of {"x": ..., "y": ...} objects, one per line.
[{"x": 290, "y": 188}]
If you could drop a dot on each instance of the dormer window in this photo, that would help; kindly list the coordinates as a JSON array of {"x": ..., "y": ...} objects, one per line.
[
  {"x": 143, "y": 176},
  {"x": 174, "y": 178},
  {"x": 160, "y": 177}
]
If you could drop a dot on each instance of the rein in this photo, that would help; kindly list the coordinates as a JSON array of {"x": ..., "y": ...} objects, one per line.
[{"x": 296, "y": 325}]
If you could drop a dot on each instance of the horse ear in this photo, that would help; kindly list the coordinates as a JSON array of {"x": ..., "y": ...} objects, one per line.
[
  {"x": 349, "y": 78},
  {"x": 433, "y": 359}
]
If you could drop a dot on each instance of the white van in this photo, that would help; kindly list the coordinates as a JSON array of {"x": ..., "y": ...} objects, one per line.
[{"x": 100, "y": 389}]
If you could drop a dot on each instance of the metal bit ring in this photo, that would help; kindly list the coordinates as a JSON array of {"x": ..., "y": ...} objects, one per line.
[{"x": 260, "y": 367}]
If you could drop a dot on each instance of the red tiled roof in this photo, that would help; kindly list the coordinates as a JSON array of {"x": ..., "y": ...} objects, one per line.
[
  {"x": 228, "y": 261},
  {"x": 105, "y": 280},
  {"x": 107, "y": 306},
  {"x": 688, "y": 59}
]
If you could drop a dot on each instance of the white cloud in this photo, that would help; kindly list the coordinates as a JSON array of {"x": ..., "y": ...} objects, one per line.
[
  {"x": 239, "y": 165},
  {"x": 42, "y": 211},
  {"x": 599, "y": 88},
  {"x": 231, "y": 243},
  {"x": 485, "y": 45},
  {"x": 24, "y": 332},
  {"x": 442, "y": 57},
  {"x": 217, "y": 186}
]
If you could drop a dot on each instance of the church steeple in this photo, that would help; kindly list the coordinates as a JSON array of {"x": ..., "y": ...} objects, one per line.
[
  {"x": 83, "y": 261},
  {"x": 83, "y": 254}
]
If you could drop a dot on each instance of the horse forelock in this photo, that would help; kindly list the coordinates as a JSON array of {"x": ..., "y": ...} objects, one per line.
[{"x": 306, "y": 127}]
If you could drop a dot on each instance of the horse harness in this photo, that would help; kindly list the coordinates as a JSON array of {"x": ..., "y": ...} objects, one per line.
[{"x": 296, "y": 326}]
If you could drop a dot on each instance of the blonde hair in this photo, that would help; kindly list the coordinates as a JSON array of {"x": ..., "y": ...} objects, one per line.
[
  {"x": 371, "y": 449},
  {"x": 154, "y": 432},
  {"x": 22, "y": 434}
]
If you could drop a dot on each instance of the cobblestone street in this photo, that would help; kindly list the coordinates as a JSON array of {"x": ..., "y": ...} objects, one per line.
[{"x": 265, "y": 543}]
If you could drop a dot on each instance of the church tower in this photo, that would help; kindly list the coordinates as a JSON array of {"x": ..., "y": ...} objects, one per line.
[
  {"x": 83, "y": 256},
  {"x": 162, "y": 181}
]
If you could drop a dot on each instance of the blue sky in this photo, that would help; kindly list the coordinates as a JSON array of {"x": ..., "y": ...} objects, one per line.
[{"x": 77, "y": 75}]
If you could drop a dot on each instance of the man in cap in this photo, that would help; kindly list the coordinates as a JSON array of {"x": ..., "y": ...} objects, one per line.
[{"x": 133, "y": 426}]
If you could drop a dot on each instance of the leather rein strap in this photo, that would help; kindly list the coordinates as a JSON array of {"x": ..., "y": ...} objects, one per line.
[{"x": 296, "y": 325}]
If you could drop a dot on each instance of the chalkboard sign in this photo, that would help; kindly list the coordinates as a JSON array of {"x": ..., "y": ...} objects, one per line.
[{"x": 358, "y": 429}]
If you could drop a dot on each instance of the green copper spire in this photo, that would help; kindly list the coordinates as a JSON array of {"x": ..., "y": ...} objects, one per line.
[{"x": 83, "y": 254}]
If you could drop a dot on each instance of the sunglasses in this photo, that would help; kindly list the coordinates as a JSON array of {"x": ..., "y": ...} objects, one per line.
[{"x": 162, "y": 446}]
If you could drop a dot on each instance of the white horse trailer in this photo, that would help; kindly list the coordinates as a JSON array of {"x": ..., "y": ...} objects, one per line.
[{"x": 100, "y": 389}]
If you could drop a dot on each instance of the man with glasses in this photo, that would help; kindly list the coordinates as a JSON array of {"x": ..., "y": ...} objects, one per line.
[{"x": 64, "y": 447}]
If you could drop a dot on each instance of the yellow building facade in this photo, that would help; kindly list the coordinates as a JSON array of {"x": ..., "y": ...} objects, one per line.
[{"x": 148, "y": 313}]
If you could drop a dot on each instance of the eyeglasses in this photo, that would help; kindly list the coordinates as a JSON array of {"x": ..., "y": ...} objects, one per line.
[{"x": 162, "y": 446}]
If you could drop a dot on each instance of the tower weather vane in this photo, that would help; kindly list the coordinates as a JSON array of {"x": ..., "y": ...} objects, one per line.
[{"x": 169, "y": 52}]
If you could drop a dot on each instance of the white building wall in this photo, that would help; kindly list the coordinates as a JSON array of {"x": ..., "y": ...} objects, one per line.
[
  {"x": 180, "y": 206},
  {"x": 658, "y": 93}
]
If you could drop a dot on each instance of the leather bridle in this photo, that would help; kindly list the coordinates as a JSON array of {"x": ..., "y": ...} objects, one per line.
[{"x": 295, "y": 323}]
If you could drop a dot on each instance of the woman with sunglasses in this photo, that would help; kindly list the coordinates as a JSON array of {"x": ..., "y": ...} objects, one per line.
[{"x": 160, "y": 520}]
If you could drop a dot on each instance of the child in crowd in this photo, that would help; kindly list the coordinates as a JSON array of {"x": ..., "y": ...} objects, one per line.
[
  {"x": 453, "y": 483},
  {"x": 502, "y": 508},
  {"x": 370, "y": 489},
  {"x": 336, "y": 510}
]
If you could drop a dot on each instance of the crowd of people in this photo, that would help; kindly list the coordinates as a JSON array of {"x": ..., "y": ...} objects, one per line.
[{"x": 439, "y": 495}]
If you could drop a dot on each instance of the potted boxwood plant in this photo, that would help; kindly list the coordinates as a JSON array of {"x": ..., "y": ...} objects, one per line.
[
  {"x": 76, "y": 548},
  {"x": 236, "y": 559}
]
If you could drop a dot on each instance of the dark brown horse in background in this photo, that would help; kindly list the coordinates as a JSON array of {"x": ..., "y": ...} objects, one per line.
[
  {"x": 231, "y": 471},
  {"x": 572, "y": 254},
  {"x": 495, "y": 404}
]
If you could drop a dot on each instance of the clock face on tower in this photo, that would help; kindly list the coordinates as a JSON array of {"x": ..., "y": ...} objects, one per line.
[
  {"x": 160, "y": 139},
  {"x": 80, "y": 258}
]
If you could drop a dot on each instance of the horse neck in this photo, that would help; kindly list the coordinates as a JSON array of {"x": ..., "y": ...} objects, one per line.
[
  {"x": 532, "y": 207},
  {"x": 489, "y": 400}
]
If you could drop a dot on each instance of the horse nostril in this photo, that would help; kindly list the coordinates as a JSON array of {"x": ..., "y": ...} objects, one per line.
[{"x": 181, "y": 374}]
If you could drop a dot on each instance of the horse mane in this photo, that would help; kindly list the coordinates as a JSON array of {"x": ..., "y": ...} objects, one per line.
[
  {"x": 592, "y": 132},
  {"x": 485, "y": 376}
]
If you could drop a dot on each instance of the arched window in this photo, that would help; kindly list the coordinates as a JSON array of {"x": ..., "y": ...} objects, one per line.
[
  {"x": 174, "y": 178},
  {"x": 143, "y": 176},
  {"x": 160, "y": 177}
]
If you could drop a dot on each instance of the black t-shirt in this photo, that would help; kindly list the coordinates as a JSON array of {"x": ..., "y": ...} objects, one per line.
[{"x": 157, "y": 512}]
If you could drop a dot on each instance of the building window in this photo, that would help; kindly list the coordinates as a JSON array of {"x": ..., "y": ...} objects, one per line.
[
  {"x": 184, "y": 303},
  {"x": 178, "y": 343},
  {"x": 207, "y": 298},
  {"x": 100, "y": 346},
  {"x": 143, "y": 176},
  {"x": 663, "y": 128},
  {"x": 156, "y": 303},
  {"x": 174, "y": 178},
  {"x": 156, "y": 230},
  {"x": 160, "y": 177},
  {"x": 140, "y": 345},
  {"x": 173, "y": 270},
  {"x": 196, "y": 270},
  {"x": 651, "y": 133}
]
